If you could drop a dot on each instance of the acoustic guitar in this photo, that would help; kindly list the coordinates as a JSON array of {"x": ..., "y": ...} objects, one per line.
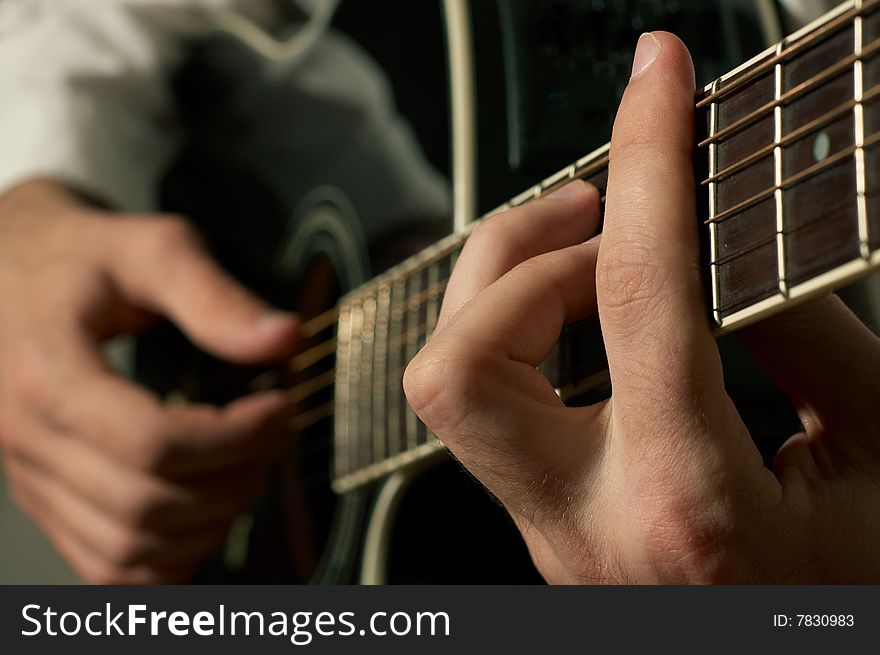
[{"x": 788, "y": 165}]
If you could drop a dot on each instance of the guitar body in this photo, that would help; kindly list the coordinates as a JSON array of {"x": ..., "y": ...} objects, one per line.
[{"x": 306, "y": 188}]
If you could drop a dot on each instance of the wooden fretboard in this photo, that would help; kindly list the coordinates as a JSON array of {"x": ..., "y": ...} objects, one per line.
[{"x": 788, "y": 161}]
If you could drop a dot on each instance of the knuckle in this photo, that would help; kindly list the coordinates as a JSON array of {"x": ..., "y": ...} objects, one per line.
[
  {"x": 637, "y": 143},
  {"x": 494, "y": 238},
  {"x": 144, "y": 510},
  {"x": 690, "y": 539},
  {"x": 28, "y": 376},
  {"x": 440, "y": 385},
  {"x": 151, "y": 443},
  {"x": 129, "y": 548}
]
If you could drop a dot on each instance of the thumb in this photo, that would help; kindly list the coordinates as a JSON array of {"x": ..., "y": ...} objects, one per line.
[{"x": 161, "y": 265}]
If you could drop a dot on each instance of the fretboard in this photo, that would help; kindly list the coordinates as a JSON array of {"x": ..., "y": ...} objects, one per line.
[{"x": 788, "y": 172}]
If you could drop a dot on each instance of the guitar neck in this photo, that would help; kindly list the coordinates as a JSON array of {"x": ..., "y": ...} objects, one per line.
[{"x": 788, "y": 174}]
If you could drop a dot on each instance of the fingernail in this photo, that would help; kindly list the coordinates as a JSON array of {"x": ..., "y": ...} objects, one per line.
[
  {"x": 646, "y": 52},
  {"x": 573, "y": 188}
]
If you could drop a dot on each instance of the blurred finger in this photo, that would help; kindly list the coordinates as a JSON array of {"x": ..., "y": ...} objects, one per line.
[
  {"x": 133, "y": 497},
  {"x": 113, "y": 542},
  {"x": 179, "y": 440},
  {"x": 89, "y": 565},
  {"x": 161, "y": 265}
]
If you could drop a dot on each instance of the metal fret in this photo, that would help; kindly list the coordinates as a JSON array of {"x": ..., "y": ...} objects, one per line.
[
  {"x": 342, "y": 434},
  {"x": 859, "y": 131},
  {"x": 410, "y": 347},
  {"x": 453, "y": 257},
  {"x": 365, "y": 423},
  {"x": 354, "y": 385},
  {"x": 396, "y": 438},
  {"x": 713, "y": 200},
  {"x": 434, "y": 297},
  {"x": 777, "y": 178},
  {"x": 380, "y": 373}
]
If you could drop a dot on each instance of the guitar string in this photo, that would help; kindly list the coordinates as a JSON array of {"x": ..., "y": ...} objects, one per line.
[
  {"x": 323, "y": 349},
  {"x": 795, "y": 179},
  {"x": 803, "y": 88},
  {"x": 323, "y": 381},
  {"x": 390, "y": 379},
  {"x": 822, "y": 121},
  {"x": 812, "y": 37}
]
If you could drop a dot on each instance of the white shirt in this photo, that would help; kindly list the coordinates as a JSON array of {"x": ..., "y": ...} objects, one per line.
[{"x": 85, "y": 97}]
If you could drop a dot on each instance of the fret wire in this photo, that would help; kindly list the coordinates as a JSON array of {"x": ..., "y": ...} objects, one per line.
[
  {"x": 842, "y": 156},
  {"x": 800, "y": 89},
  {"x": 777, "y": 178},
  {"x": 341, "y": 378},
  {"x": 368, "y": 341},
  {"x": 529, "y": 194},
  {"x": 426, "y": 295},
  {"x": 434, "y": 297},
  {"x": 395, "y": 438},
  {"x": 713, "y": 204},
  {"x": 380, "y": 365},
  {"x": 596, "y": 160},
  {"x": 558, "y": 180},
  {"x": 453, "y": 258},
  {"x": 409, "y": 347},
  {"x": 417, "y": 262},
  {"x": 859, "y": 131},
  {"x": 801, "y": 43},
  {"x": 354, "y": 386},
  {"x": 324, "y": 349}
]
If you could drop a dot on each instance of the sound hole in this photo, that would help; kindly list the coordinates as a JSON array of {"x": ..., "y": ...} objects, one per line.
[{"x": 309, "y": 503}]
